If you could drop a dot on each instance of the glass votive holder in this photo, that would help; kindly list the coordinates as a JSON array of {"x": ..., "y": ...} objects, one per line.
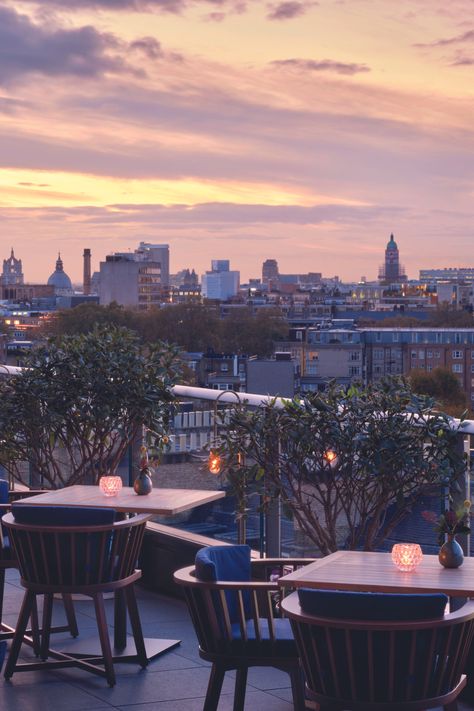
[
  {"x": 110, "y": 485},
  {"x": 406, "y": 556}
]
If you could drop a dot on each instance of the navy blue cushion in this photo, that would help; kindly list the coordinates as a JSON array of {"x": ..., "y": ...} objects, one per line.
[
  {"x": 225, "y": 563},
  {"x": 3, "y": 649},
  {"x": 347, "y": 605},
  {"x": 62, "y": 515},
  {"x": 284, "y": 645},
  {"x": 4, "y": 488},
  {"x": 86, "y": 546}
]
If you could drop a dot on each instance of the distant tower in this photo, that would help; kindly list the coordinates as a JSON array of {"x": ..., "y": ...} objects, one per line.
[
  {"x": 270, "y": 271},
  {"x": 392, "y": 272},
  {"x": 87, "y": 273},
  {"x": 12, "y": 274}
]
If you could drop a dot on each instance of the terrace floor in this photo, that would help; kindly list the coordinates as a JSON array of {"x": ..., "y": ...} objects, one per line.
[{"x": 174, "y": 682}]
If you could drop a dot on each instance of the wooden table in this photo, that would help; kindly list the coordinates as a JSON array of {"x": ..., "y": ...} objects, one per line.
[
  {"x": 375, "y": 572},
  {"x": 162, "y": 502}
]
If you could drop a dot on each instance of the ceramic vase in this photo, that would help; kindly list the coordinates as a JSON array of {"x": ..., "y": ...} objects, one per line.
[
  {"x": 451, "y": 554},
  {"x": 143, "y": 484}
]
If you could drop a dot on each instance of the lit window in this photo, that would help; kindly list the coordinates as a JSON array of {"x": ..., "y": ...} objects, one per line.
[{"x": 457, "y": 368}]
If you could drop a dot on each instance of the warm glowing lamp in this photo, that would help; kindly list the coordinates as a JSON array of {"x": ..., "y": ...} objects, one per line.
[
  {"x": 214, "y": 463},
  {"x": 110, "y": 485},
  {"x": 406, "y": 556},
  {"x": 330, "y": 456}
]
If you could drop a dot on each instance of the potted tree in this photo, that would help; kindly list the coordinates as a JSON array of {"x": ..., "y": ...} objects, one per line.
[
  {"x": 81, "y": 401},
  {"x": 348, "y": 464}
]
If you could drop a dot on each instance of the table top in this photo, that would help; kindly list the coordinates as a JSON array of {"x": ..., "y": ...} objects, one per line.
[
  {"x": 163, "y": 502},
  {"x": 375, "y": 572}
]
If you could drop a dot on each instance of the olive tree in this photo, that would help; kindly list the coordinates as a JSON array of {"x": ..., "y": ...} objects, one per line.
[
  {"x": 349, "y": 464},
  {"x": 81, "y": 401}
]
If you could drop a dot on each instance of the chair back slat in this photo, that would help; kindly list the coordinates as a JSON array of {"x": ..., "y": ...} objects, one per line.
[
  {"x": 381, "y": 661},
  {"x": 371, "y": 664},
  {"x": 256, "y": 616},
  {"x": 76, "y": 555}
]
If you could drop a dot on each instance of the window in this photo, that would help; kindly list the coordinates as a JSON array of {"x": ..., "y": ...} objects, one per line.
[
  {"x": 378, "y": 354},
  {"x": 429, "y": 368},
  {"x": 224, "y": 367},
  {"x": 354, "y": 370},
  {"x": 378, "y": 369},
  {"x": 421, "y": 355},
  {"x": 437, "y": 354},
  {"x": 457, "y": 354},
  {"x": 395, "y": 337},
  {"x": 378, "y": 336},
  {"x": 472, "y": 368},
  {"x": 413, "y": 355},
  {"x": 429, "y": 354},
  {"x": 457, "y": 368},
  {"x": 472, "y": 355},
  {"x": 355, "y": 355},
  {"x": 457, "y": 338},
  {"x": 439, "y": 338},
  {"x": 299, "y": 335}
]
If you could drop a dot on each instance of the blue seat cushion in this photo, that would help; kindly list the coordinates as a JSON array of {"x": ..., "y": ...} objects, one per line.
[
  {"x": 347, "y": 605},
  {"x": 62, "y": 515},
  {"x": 4, "y": 489},
  {"x": 3, "y": 650},
  {"x": 226, "y": 564},
  {"x": 283, "y": 646},
  {"x": 86, "y": 546}
]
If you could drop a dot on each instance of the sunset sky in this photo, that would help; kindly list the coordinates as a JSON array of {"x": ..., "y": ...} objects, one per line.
[{"x": 297, "y": 130}]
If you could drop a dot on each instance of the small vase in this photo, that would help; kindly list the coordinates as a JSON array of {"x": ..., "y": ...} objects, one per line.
[
  {"x": 143, "y": 484},
  {"x": 451, "y": 554}
]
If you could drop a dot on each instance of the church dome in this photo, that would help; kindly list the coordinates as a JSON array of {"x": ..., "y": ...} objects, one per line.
[
  {"x": 59, "y": 279},
  {"x": 392, "y": 244}
]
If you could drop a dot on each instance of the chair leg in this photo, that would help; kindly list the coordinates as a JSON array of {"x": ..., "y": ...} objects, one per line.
[
  {"x": 297, "y": 689},
  {"x": 25, "y": 612},
  {"x": 2, "y": 590},
  {"x": 136, "y": 625},
  {"x": 35, "y": 628},
  {"x": 240, "y": 688},
  {"x": 104, "y": 638},
  {"x": 70, "y": 614},
  {"x": 46, "y": 633},
  {"x": 214, "y": 688}
]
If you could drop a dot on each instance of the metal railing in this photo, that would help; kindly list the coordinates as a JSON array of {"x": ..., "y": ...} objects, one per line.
[{"x": 194, "y": 433}]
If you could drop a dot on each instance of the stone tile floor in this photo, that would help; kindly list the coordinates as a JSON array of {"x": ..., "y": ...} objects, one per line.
[{"x": 175, "y": 681}]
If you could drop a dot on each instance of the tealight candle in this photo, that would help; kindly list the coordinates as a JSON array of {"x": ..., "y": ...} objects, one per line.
[
  {"x": 110, "y": 485},
  {"x": 406, "y": 556}
]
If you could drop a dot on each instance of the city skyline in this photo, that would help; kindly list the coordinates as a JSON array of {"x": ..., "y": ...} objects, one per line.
[{"x": 301, "y": 131}]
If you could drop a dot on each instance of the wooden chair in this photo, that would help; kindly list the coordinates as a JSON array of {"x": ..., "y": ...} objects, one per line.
[
  {"x": 8, "y": 560},
  {"x": 238, "y": 624},
  {"x": 380, "y": 665},
  {"x": 67, "y": 559}
]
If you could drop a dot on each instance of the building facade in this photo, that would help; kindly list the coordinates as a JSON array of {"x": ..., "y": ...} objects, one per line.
[
  {"x": 12, "y": 274},
  {"x": 220, "y": 283},
  {"x": 132, "y": 280}
]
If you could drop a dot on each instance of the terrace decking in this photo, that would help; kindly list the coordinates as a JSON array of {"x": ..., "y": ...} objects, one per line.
[{"x": 175, "y": 682}]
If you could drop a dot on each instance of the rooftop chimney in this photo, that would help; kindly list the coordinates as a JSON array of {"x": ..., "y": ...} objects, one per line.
[{"x": 87, "y": 272}]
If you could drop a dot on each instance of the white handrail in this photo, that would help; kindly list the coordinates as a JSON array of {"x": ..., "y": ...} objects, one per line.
[{"x": 232, "y": 397}]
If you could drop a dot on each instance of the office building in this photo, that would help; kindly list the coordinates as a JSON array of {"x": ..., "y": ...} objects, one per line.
[
  {"x": 134, "y": 279},
  {"x": 220, "y": 283}
]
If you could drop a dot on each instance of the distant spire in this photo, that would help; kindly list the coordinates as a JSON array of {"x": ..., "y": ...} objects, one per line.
[{"x": 12, "y": 256}]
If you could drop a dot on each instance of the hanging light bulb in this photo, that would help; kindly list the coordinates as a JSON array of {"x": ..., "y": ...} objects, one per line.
[
  {"x": 214, "y": 463},
  {"x": 330, "y": 456}
]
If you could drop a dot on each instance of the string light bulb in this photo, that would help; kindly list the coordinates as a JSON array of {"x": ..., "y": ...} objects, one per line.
[{"x": 214, "y": 463}]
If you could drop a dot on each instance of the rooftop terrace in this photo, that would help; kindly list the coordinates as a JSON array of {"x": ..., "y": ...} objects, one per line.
[{"x": 175, "y": 681}]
